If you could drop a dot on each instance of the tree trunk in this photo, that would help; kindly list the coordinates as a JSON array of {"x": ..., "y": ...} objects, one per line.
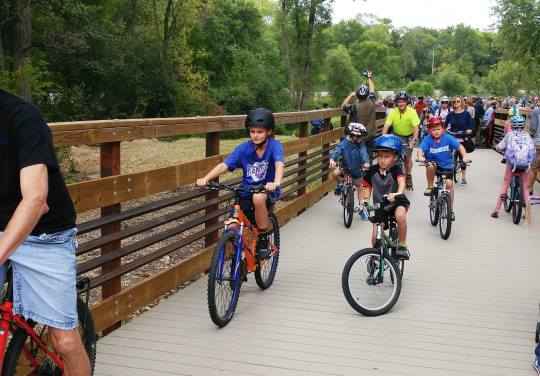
[
  {"x": 19, "y": 37},
  {"x": 286, "y": 46},
  {"x": 132, "y": 19},
  {"x": 307, "y": 62},
  {"x": 166, "y": 27}
]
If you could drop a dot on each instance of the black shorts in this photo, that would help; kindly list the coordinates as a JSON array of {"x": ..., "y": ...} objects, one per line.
[
  {"x": 449, "y": 173},
  {"x": 246, "y": 204}
]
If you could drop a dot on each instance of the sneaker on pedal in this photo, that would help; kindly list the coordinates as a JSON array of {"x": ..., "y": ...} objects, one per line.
[
  {"x": 463, "y": 182},
  {"x": 338, "y": 189},
  {"x": 263, "y": 248},
  {"x": 363, "y": 212},
  {"x": 428, "y": 191},
  {"x": 403, "y": 253},
  {"x": 536, "y": 366}
]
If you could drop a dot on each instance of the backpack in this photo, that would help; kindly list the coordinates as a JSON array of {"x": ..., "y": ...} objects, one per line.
[{"x": 520, "y": 150}]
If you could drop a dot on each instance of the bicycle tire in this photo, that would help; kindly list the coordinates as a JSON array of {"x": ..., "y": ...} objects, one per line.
[
  {"x": 457, "y": 168},
  {"x": 433, "y": 210},
  {"x": 508, "y": 203},
  {"x": 395, "y": 239},
  {"x": 346, "y": 287},
  {"x": 222, "y": 319},
  {"x": 348, "y": 206},
  {"x": 262, "y": 281},
  {"x": 445, "y": 210},
  {"x": 518, "y": 201},
  {"x": 11, "y": 364}
]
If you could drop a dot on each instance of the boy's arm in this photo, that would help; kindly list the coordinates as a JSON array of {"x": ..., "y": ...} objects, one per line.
[
  {"x": 421, "y": 156},
  {"x": 220, "y": 169},
  {"x": 336, "y": 154},
  {"x": 463, "y": 153},
  {"x": 364, "y": 156},
  {"x": 272, "y": 186}
]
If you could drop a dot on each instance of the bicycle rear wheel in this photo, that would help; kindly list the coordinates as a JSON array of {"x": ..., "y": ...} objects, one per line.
[
  {"x": 367, "y": 290},
  {"x": 25, "y": 357},
  {"x": 433, "y": 210},
  {"x": 517, "y": 200},
  {"x": 445, "y": 212},
  {"x": 508, "y": 203},
  {"x": 223, "y": 287},
  {"x": 348, "y": 206},
  {"x": 266, "y": 269}
]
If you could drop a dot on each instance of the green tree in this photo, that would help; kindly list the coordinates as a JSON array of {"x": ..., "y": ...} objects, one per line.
[
  {"x": 417, "y": 88},
  {"x": 453, "y": 83},
  {"x": 343, "y": 77}
]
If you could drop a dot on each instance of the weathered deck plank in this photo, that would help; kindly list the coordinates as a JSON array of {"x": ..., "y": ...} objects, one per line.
[{"x": 468, "y": 305}]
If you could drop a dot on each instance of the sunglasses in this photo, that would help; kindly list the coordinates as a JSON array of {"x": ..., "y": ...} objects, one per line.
[{"x": 457, "y": 102}]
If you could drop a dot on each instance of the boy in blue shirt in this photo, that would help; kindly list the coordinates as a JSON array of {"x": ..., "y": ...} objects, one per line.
[
  {"x": 438, "y": 146},
  {"x": 355, "y": 157},
  {"x": 262, "y": 162}
]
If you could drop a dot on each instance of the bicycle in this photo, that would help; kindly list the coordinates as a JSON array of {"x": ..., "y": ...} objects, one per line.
[
  {"x": 30, "y": 350},
  {"x": 365, "y": 273},
  {"x": 346, "y": 198},
  {"x": 458, "y": 163},
  {"x": 235, "y": 256},
  {"x": 513, "y": 200},
  {"x": 440, "y": 202}
]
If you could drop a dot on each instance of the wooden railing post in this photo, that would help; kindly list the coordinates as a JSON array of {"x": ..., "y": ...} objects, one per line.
[
  {"x": 212, "y": 148},
  {"x": 110, "y": 166},
  {"x": 302, "y": 190},
  {"x": 343, "y": 121},
  {"x": 326, "y": 154}
]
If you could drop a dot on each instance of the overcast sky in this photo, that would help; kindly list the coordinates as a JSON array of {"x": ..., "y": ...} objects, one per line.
[{"x": 433, "y": 14}]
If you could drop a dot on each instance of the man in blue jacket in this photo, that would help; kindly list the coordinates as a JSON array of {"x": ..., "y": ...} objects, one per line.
[{"x": 353, "y": 151}]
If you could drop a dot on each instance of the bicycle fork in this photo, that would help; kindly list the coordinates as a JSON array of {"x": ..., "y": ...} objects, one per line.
[{"x": 379, "y": 277}]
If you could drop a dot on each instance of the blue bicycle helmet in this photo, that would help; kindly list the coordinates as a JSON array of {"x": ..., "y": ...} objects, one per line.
[
  {"x": 517, "y": 122},
  {"x": 388, "y": 142}
]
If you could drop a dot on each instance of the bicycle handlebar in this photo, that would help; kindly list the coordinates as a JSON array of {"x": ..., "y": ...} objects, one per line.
[{"x": 259, "y": 188}]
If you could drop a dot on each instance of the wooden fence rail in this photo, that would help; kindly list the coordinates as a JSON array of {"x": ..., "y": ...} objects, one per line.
[{"x": 125, "y": 240}]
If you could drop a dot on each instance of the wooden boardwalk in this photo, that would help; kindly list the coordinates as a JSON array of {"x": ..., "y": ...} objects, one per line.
[{"x": 468, "y": 305}]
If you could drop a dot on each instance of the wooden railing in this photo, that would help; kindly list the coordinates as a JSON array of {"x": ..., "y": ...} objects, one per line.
[
  {"x": 126, "y": 240},
  {"x": 500, "y": 118}
]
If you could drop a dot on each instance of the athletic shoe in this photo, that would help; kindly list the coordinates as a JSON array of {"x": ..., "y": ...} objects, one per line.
[
  {"x": 452, "y": 217},
  {"x": 463, "y": 182},
  {"x": 263, "y": 249},
  {"x": 363, "y": 212},
  {"x": 338, "y": 189},
  {"x": 536, "y": 366},
  {"x": 408, "y": 181},
  {"x": 428, "y": 191},
  {"x": 403, "y": 253}
]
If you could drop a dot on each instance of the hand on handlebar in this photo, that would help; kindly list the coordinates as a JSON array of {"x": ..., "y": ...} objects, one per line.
[
  {"x": 202, "y": 182},
  {"x": 271, "y": 187}
]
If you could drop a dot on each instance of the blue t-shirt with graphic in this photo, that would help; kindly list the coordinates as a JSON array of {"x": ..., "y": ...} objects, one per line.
[
  {"x": 256, "y": 170},
  {"x": 440, "y": 152}
]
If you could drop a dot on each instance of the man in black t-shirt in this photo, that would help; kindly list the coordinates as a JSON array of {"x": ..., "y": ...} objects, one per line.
[{"x": 37, "y": 229}]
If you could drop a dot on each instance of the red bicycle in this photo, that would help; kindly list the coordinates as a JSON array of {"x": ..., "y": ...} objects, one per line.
[{"x": 26, "y": 347}]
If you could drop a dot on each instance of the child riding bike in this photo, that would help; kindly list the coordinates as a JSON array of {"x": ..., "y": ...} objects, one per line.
[
  {"x": 386, "y": 178},
  {"x": 519, "y": 151},
  {"x": 355, "y": 156},
  {"x": 438, "y": 146},
  {"x": 262, "y": 162}
]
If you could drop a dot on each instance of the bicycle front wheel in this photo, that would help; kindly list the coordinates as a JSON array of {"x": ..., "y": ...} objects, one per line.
[
  {"x": 433, "y": 210},
  {"x": 457, "y": 167},
  {"x": 371, "y": 285},
  {"x": 25, "y": 357},
  {"x": 517, "y": 200},
  {"x": 266, "y": 270},
  {"x": 445, "y": 219},
  {"x": 348, "y": 206},
  {"x": 223, "y": 285}
]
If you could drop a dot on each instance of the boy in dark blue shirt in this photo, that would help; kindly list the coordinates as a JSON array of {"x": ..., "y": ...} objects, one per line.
[
  {"x": 439, "y": 146},
  {"x": 262, "y": 162}
]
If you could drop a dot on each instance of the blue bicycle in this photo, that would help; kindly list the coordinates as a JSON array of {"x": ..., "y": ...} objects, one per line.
[{"x": 235, "y": 256}]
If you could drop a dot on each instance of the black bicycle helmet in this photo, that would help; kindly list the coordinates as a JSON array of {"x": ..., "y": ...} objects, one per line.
[
  {"x": 402, "y": 95},
  {"x": 362, "y": 92},
  {"x": 260, "y": 117}
]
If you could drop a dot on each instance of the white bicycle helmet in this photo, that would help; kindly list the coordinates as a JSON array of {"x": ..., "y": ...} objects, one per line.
[
  {"x": 357, "y": 129},
  {"x": 444, "y": 99}
]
